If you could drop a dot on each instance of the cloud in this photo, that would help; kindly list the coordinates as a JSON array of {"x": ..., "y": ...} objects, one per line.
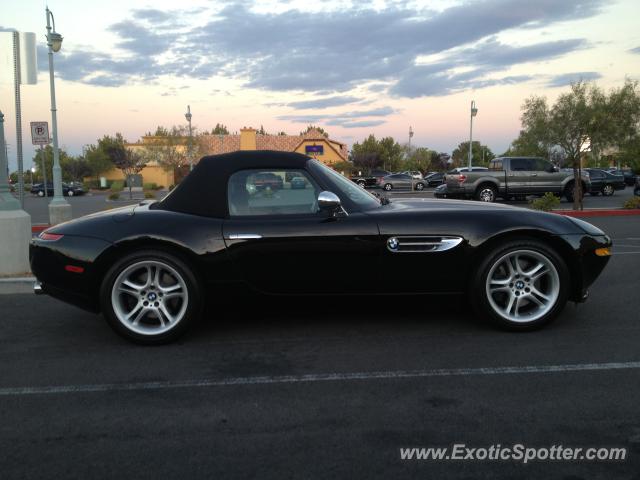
[
  {"x": 326, "y": 102},
  {"x": 359, "y": 124},
  {"x": 635, "y": 50},
  {"x": 331, "y": 51},
  {"x": 7, "y": 29},
  {"x": 566, "y": 79},
  {"x": 346, "y": 120}
]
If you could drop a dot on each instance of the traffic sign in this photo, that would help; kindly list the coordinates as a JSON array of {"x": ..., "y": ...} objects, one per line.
[{"x": 39, "y": 133}]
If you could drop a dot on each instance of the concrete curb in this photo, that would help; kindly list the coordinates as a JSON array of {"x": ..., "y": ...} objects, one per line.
[{"x": 16, "y": 285}]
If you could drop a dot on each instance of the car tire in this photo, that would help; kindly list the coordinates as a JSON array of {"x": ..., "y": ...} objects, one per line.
[
  {"x": 362, "y": 183},
  {"x": 419, "y": 186},
  {"x": 387, "y": 187},
  {"x": 139, "y": 285},
  {"x": 608, "y": 190},
  {"x": 541, "y": 278},
  {"x": 70, "y": 193},
  {"x": 486, "y": 193},
  {"x": 41, "y": 193}
]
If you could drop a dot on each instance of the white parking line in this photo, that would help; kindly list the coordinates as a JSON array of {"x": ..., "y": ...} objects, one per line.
[{"x": 319, "y": 377}]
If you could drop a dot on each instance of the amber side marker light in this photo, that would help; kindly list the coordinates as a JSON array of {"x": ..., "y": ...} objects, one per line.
[{"x": 603, "y": 252}]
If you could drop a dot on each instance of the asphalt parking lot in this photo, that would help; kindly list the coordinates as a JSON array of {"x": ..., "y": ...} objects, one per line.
[{"x": 323, "y": 388}]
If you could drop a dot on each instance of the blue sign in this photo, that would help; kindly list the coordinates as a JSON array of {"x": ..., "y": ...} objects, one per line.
[{"x": 317, "y": 149}]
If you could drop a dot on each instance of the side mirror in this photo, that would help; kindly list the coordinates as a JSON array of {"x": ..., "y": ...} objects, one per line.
[{"x": 328, "y": 202}]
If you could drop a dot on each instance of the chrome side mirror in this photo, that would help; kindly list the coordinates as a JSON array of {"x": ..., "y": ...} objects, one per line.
[{"x": 328, "y": 201}]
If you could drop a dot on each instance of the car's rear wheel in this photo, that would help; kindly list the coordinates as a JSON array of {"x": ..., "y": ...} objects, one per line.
[
  {"x": 608, "y": 190},
  {"x": 419, "y": 186},
  {"x": 70, "y": 193},
  {"x": 388, "y": 186},
  {"x": 362, "y": 183},
  {"x": 150, "y": 297},
  {"x": 41, "y": 193},
  {"x": 486, "y": 193},
  {"x": 521, "y": 286}
]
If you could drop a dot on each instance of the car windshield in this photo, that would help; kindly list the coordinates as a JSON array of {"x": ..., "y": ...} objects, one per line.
[{"x": 356, "y": 194}]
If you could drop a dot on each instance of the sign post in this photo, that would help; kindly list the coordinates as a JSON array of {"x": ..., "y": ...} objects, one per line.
[{"x": 40, "y": 136}]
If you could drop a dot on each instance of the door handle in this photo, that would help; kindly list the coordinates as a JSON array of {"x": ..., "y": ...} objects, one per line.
[
  {"x": 534, "y": 174},
  {"x": 244, "y": 236}
]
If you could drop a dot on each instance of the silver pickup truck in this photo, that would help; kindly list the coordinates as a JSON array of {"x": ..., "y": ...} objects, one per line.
[{"x": 510, "y": 177}]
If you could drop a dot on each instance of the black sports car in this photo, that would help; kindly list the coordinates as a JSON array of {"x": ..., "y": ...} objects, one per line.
[{"x": 150, "y": 267}]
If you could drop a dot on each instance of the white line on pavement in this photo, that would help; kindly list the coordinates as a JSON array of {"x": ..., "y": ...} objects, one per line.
[{"x": 318, "y": 377}]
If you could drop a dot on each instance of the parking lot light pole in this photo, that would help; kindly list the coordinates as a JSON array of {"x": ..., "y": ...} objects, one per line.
[
  {"x": 59, "y": 208},
  {"x": 188, "y": 117},
  {"x": 474, "y": 112}
]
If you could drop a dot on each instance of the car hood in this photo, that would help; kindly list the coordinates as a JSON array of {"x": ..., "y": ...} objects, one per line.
[{"x": 468, "y": 219}]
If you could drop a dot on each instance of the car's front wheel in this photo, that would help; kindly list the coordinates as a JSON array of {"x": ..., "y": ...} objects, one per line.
[
  {"x": 521, "y": 285},
  {"x": 150, "y": 297},
  {"x": 41, "y": 193},
  {"x": 388, "y": 186},
  {"x": 608, "y": 190},
  {"x": 487, "y": 193}
]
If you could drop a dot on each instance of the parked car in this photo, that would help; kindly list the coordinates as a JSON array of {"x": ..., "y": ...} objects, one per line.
[
  {"x": 371, "y": 180},
  {"x": 68, "y": 190},
  {"x": 263, "y": 180},
  {"x": 440, "y": 191},
  {"x": 415, "y": 174},
  {"x": 636, "y": 188},
  {"x": 514, "y": 177},
  {"x": 605, "y": 183},
  {"x": 434, "y": 179},
  {"x": 298, "y": 182},
  {"x": 400, "y": 181},
  {"x": 150, "y": 267}
]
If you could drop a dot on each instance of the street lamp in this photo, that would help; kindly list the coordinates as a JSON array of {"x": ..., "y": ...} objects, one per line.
[
  {"x": 474, "y": 112},
  {"x": 59, "y": 208},
  {"x": 188, "y": 117}
]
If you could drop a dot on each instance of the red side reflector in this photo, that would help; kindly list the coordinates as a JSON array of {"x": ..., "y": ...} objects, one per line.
[
  {"x": 73, "y": 269},
  {"x": 50, "y": 237}
]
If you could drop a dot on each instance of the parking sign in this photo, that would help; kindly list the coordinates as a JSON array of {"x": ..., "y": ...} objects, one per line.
[{"x": 39, "y": 133}]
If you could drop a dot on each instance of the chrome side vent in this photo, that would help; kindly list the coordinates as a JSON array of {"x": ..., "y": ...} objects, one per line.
[{"x": 414, "y": 244}]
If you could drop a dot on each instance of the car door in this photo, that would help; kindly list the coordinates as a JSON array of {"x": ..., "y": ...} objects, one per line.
[
  {"x": 519, "y": 175},
  {"x": 280, "y": 242},
  {"x": 543, "y": 177}
]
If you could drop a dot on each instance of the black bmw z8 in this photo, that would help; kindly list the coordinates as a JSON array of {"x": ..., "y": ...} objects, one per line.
[{"x": 149, "y": 268}]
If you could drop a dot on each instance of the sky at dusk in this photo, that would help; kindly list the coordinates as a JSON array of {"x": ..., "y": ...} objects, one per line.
[{"x": 353, "y": 68}]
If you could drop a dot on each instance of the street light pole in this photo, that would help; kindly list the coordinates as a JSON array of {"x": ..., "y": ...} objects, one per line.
[
  {"x": 59, "y": 208},
  {"x": 474, "y": 112},
  {"x": 188, "y": 117}
]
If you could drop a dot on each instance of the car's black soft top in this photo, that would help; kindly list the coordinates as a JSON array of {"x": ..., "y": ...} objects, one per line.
[{"x": 204, "y": 190}]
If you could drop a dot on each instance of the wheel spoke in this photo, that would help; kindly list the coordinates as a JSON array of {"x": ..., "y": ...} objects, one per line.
[
  {"x": 169, "y": 289},
  {"x": 537, "y": 293},
  {"x": 138, "y": 312},
  {"x": 169, "y": 296},
  {"x": 131, "y": 287},
  {"x": 163, "y": 311},
  {"x": 532, "y": 271}
]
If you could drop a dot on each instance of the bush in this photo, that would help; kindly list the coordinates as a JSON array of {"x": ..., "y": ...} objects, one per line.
[
  {"x": 632, "y": 203},
  {"x": 149, "y": 195},
  {"x": 114, "y": 196},
  {"x": 149, "y": 186},
  {"x": 546, "y": 203},
  {"x": 117, "y": 186}
]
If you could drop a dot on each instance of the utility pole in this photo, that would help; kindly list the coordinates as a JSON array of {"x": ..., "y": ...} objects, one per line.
[{"x": 474, "y": 112}]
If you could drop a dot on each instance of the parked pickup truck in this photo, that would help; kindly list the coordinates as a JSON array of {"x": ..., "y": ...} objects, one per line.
[
  {"x": 509, "y": 177},
  {"x": 370, "y": 180}
]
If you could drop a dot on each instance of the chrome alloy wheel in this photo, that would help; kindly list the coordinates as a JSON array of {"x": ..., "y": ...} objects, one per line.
[
  {"x": 523, "y": 286},
  {"x": 607, "y": 190},
  {"x": 149, "y": 297},
  {"x": 487, "y": 195}
]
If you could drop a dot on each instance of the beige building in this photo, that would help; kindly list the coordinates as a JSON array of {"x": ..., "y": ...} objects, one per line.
[{"x": 313, "y": 143}]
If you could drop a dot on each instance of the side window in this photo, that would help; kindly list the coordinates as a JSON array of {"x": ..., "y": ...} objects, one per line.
[
  {"x": 272, "y": 192},
  {"x": 520, "y": 164},
  {"x": 496, "y": 165},
  {"x": 540, "y": 165}
]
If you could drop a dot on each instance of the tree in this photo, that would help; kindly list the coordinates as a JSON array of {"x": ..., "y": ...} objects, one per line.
[
  {"x": 168, "y": 148},
  {"x": 74, "y": 169},
  {"x": 97, "y": 160},
  {"x": 313, "y": 127},
  {"x": 48, "y": 162},
  {"x": 417, "y": 159},
  {"x": 481, "y": 154},
  {"x": 125, "y": 159},
  {"x": 220, "y": 129},
  {"x": 367, "y": 154}
]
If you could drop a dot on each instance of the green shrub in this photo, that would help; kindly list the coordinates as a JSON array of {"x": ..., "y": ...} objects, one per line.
[
  {"x": 149, "y": 195},
  {"x": 546, "y": 203},
  {"x": 117, "y": 186},
  {"x": 149, "y": 186},
  {"x": 114, "y": 196},
  {"x": 632, "y": 203}
]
